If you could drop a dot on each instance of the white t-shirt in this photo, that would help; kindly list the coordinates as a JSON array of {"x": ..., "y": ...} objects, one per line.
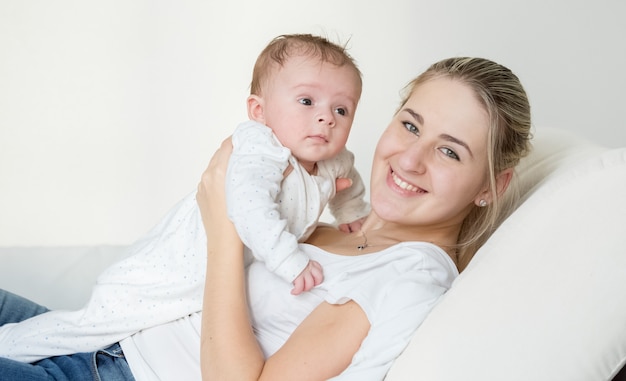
[
  {"x": 169, "y": 351},
  {"x": 396, "y": 288},
  {"x": 160, "y": 285}
]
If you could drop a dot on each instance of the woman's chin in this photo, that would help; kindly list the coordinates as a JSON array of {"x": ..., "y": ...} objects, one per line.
[{"x": 389, "y": 211}]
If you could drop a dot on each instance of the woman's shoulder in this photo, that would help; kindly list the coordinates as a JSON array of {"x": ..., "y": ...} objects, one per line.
[{"x": 427, "y": 251}]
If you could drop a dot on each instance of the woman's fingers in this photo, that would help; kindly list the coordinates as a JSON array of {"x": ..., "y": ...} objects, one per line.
[
  {"x": 216, "y": 170},
  {"x": 211, "y": 196}
]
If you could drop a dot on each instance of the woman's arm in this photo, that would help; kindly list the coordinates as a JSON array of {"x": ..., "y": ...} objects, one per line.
[
  {"x": 229, "y": 350},
  {"x": 322, "y": 346}
]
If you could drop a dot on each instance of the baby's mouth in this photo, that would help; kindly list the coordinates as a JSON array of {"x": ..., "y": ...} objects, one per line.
[{"x": 320, "y": 138}]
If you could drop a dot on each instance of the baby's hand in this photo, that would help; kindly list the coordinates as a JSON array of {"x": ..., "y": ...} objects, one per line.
[
  {"x": 354, "y": 226},
  {"x": 310, "y": 277}
]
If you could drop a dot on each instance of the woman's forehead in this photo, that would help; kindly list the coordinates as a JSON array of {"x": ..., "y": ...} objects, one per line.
[{"x": 449, "y": 104}]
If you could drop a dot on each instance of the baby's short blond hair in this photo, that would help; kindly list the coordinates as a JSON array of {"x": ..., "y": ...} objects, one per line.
[{"x": 281, "y": 48}]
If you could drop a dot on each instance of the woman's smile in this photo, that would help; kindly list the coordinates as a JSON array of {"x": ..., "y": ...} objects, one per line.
[
  {"x": 400, "y": 185},
  {"x": 403, "y": 184}
]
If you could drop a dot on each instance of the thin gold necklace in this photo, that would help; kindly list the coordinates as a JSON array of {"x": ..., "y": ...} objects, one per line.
[
  {"x": 364, "y": 244},
  {"x": 453, "y": 252}
]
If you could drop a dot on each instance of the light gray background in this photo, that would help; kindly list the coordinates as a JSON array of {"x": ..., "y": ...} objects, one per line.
[{"x": 109, "y": 111}]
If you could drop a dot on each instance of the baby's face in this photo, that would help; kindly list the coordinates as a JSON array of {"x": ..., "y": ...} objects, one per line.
[{"x": 310, "y": 106}]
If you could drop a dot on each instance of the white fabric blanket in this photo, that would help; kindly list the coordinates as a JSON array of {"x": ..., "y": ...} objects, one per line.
[{"x": 154, "y": 284}]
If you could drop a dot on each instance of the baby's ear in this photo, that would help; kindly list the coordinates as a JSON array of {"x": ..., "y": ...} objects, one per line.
[{"x": 255, "y": 108}]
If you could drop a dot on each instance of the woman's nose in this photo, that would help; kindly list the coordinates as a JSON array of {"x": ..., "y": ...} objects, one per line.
[{"x": 415, "y": 158}]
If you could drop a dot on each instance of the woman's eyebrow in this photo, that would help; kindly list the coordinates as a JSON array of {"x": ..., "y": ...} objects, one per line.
[
  {"x": 415, "y": 115},
  {"x": 457, "y": 141},
  {"x": 447, "y": 137}
]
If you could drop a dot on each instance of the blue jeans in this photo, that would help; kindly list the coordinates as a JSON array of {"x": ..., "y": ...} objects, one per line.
[{"x": 108, "y": 364}]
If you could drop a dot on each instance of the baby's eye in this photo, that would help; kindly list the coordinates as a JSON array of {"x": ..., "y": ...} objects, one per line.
[
  {"x": 306, "y": 101},
  {"x": 450, "y": 153},
  {"x": 341, "y": 111},
  {"x": 411, "y": 128}
]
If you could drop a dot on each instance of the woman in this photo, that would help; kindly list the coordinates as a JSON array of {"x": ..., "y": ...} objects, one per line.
[{"x": 439, "y": 171}]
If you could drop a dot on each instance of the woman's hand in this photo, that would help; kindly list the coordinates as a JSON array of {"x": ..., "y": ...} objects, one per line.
[
  {"x": 229, "y": 349},
  {"x": 211, "y": 195}
]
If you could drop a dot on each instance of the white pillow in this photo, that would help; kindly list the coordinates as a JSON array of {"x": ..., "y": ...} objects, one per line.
[{"x": 545, "y": 298}]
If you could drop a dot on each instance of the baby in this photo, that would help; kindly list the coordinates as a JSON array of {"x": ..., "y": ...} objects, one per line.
[{"x": 286, "y": 158}]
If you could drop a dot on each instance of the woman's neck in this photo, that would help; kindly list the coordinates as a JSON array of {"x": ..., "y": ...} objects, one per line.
[
  {"x": 443, "y": 236},
  {"x": 376, "y": 235}
]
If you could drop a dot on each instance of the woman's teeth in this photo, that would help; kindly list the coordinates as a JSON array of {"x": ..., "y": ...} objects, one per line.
[{"x": 403, "y": 184}]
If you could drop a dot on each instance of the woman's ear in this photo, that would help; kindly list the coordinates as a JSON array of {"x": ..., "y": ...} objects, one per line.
[
  {"x": 255, "y": 108},
  {"x": 503, "y": 179}
]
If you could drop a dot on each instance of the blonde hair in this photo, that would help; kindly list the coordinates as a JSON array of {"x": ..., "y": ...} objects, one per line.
[
  {"x": 506, "y": 102},
  {"x": 281, "y": 48}
]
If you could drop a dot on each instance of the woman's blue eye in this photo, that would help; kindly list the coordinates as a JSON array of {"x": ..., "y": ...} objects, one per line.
[
  {"x": 306, "y": 101},
  {"x": 411, "y": 128},
  {"x": 450, "y": 153},
  {"x": 341, "y": 111}
]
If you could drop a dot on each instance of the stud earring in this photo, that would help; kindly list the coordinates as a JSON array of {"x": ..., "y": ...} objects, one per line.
[{"x": 482, "y": 203}]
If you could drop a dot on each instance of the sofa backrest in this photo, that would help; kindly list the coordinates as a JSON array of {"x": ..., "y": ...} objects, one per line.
[{"x": 545, "y": 297}]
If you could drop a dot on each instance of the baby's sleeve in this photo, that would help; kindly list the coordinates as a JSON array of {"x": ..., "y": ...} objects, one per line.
[
  {"x": 253, "y": 184},
  {"x": 348, "y": 205}
]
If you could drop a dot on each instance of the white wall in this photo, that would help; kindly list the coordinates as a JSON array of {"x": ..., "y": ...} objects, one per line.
[{"x": 110, "y": 110}]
